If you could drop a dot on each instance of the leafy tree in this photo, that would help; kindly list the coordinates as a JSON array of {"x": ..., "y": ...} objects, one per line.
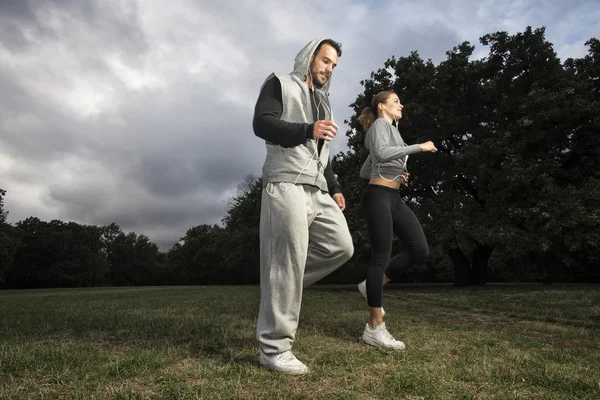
[
  {"x": 56, "y": 254},
  {"x": 133, "y": 259},
  {"x": 241, "y": 240},
  {"x": 197, "y": 258},
  {"x": 3, "y": 212},
  {"x": 10, "y": 241},
  {"x": 580, "y": 173},
  {"x": 503, "y": 125}
]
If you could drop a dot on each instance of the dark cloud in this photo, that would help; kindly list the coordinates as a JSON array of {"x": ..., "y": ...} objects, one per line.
[
  {"x": 24, "y": 24},
  {"x": 18, "y": 10}
]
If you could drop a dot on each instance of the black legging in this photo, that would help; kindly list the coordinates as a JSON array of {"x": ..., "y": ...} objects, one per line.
[{"x": 386, "y": 214}]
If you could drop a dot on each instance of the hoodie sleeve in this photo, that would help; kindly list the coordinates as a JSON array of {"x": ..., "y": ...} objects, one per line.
[
  {"x": 332, "y": 184},
  {"x": 267, "y": 123},
  {"x": 380, "y": 143}
]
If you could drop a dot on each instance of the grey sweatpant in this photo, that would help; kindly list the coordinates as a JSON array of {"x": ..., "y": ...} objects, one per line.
[{"x": 303, "y": 238}]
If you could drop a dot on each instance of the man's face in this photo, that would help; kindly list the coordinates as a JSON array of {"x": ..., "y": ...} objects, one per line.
[{"x": 323, "y": 64}]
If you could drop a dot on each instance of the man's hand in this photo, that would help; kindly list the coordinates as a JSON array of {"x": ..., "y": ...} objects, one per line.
[
  {"x": 339, "y": 199},
  {"x": 325, "y": 130}
]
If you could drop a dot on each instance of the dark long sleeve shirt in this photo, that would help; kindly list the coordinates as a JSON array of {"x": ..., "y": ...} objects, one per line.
[{"x": 268, "y": 126}]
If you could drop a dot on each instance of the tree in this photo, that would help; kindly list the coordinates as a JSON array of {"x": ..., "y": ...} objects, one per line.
[
  {"x": 241, "y": 240},
  {"x": 580, "y": 171},
  {"x": 133, "y": 258},
  {"x": 198, "y": 257},
  {"x": 503, "y": 126},
  {"x": 3, "y": 213},
  {"x": 10, "y": 241},
  {"x": 58, "y": 254}
]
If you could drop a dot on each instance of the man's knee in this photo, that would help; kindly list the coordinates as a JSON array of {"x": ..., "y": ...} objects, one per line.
[{"x": 346, "y": 248}]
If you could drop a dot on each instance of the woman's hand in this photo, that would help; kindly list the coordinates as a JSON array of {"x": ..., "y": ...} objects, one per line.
[
  {"x": 404, "y": 180},
  {"x": 428, "y": 147}
]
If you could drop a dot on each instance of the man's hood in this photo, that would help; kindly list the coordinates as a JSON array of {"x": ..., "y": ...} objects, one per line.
[{"x": 301, "y": 63}]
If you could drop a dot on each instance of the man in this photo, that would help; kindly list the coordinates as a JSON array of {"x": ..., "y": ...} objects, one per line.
[{"x": 303, "y": 233}]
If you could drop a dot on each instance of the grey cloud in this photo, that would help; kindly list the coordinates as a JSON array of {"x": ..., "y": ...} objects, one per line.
[
  {"x": 137, "y": 212},
  {"x": 19, "y": 10},
  {"x": 171, "y": 177},
  {"x": 113, "y": 29},
  {"x": 13, "y": 36},
  {"x": 196, "y": 210},
  {"x": 163, "y": 155},
  {"x": 29, "y": 128},
  {"x": 187, "y": 141}
]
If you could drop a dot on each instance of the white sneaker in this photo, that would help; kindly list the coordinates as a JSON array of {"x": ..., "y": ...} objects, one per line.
[
  {"x": 362, "y": 288},
  {"x": 380, "y": 337},
  {"x": 284, "y": 362}
]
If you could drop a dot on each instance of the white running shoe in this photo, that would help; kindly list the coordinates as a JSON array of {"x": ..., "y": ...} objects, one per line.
[
  {"x": 284, "y": 362},
  {"x": 362, "y": 288},
  {"x": 380, "y": 337}
]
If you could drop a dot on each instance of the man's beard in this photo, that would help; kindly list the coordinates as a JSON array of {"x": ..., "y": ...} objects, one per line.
[{"x": 314, "y": 77}]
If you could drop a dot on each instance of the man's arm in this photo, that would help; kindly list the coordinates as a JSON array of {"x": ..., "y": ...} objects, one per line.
[
  {"x": 332, "y": 184},
  {"x": 334, "y": 187},
  {"x": 267, "y": 123}
]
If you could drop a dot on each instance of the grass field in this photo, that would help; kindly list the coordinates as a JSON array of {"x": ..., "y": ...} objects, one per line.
[{"x": 497, "y": 342}]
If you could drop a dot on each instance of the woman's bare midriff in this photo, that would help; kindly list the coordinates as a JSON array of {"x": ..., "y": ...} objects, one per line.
[{"x": 384, "y": 182}]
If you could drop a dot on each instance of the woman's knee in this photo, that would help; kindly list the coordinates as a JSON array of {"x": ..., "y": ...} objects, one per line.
[
  {"x": 380, "y": 260},
  {"x": 420, "y": 252}
]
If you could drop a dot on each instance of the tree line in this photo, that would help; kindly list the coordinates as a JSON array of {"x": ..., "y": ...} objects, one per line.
[{"x": 513, "y": 193}]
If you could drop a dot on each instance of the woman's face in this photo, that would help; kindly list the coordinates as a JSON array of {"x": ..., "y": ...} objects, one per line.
[{"x": 393, "y": 106}]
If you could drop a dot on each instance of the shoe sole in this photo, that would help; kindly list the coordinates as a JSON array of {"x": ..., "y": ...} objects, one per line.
[
  {"x": 380, "y": 346},
  {"x": 287, "y": 372}
]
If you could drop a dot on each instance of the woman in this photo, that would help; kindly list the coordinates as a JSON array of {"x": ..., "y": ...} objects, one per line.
[{"x": 385, "y": 211}]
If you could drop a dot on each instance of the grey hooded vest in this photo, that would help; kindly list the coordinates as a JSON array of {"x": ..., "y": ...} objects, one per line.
[{"x": 300, "y": 164}]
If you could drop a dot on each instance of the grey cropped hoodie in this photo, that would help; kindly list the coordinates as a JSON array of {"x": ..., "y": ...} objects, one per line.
[{"x": 388, "y": 153}]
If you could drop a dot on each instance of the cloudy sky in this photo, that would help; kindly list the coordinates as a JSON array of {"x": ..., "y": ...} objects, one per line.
[{"x": 139, "y": 111}]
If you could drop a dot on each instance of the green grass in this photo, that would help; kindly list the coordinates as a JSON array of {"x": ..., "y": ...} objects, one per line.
[{"x": 497, "y": 342}]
